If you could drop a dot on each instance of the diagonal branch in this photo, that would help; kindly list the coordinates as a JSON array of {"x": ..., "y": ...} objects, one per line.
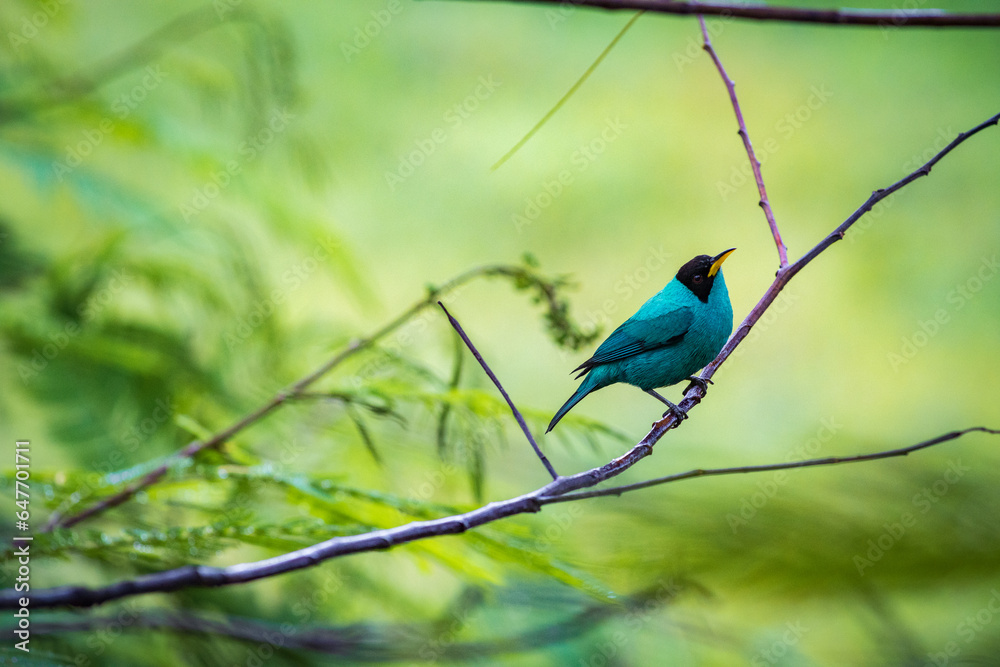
[
  {"x": 695, "y": 393},
  {"x": 61, "y": 520},
  {"x": 203, "y": 576},
  {"x": 895, "y": 18},
  {"x": 764, "y": 202},
  {"x": 193, "y": 576},
  {"x": 493, "y": 377}
]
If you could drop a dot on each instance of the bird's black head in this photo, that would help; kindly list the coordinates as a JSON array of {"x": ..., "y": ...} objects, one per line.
[{"x": 698, "y": 275}]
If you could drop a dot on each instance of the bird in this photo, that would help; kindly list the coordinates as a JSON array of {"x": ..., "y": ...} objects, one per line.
[{"x": 674, "y": 334}]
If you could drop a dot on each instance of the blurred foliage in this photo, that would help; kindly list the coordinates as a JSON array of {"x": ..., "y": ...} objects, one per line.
[{"x": 203, "y": 202}]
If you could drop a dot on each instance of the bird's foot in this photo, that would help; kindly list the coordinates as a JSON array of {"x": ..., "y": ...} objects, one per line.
[
  {"x": 681, "y": 415},
  {"x": 701, "y": 382},
  {"x": 676, "y": 410}
]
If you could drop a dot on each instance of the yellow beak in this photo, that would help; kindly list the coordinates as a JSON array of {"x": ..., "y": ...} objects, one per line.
[{"x": 718, "y": 260}]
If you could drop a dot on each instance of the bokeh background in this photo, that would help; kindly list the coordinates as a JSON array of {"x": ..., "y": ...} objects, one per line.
[{"x": 202, "y": 202}]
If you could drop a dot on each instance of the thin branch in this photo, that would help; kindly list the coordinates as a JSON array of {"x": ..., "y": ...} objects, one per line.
[
  {"x": 493, "y": 377},
  {"x": 192, "y": 576},
  {"x": 764, "y": 202},
  {"x": 695, "y": 393},
  {"x": 785, "y": 274},
  {"x": 60, "y": 520},
  {"x": 809, "y": 463},
  {"x": 204, "y": 576},
  {"x": 896, "y": 18}
]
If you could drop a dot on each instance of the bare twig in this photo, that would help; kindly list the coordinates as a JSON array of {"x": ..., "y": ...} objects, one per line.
[
  {"x": 764, "y": 202},
  {"x": 895, "y": 18},
  {"x": 809, "y": 463},
  {"x": 695, "y": 393},
  {"x": 62, "y": 520},
  {"x": 185, "y": 577},
  {"x": 553, "y": 492},
  {"x": 493, "y": 377},
  {"x": 192, "y": 576}
]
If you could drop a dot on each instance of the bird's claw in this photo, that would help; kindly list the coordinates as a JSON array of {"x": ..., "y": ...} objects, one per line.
[
  {"x": 679, "y": 415},
  {"x": 677, "y": 412},
  {"x": 697, "y": 381}
]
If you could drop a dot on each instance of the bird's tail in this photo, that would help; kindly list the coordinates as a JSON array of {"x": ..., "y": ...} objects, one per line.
[{"x": 585, "y": 388}]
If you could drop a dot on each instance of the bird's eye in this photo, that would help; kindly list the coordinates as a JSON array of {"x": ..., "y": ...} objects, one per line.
[{"x": 697, "y": 278}]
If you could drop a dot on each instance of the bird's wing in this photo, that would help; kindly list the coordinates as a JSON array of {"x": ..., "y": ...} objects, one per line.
[{"x": 637, "y": 335}]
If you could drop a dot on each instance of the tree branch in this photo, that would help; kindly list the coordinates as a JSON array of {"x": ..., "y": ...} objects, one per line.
[
  {"x": 60, "y": 520},
  {"x": 896, "y": 18},
  {"x": 204, "y": 576},
  {"x": 764, "y": 202},
  {"x": 695, "y": 393},
  {"x": 809, "y": 463},
  {"x": 184, "y": 577},
  {"x": 493, "y": 377},
  {"x": 531, "y": 502}
]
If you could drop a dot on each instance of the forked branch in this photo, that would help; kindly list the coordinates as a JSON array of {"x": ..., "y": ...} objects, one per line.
[{"x": 193, "y": 576}]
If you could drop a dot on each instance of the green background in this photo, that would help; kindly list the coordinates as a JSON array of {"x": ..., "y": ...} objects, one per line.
[{"x": 232, "y": 221}]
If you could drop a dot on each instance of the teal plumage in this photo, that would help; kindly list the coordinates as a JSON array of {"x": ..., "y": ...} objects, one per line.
[{"x": 673, "y": 335}]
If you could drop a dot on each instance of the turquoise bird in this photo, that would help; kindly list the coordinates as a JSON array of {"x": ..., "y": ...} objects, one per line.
[{"x": 676, "y": 333}]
